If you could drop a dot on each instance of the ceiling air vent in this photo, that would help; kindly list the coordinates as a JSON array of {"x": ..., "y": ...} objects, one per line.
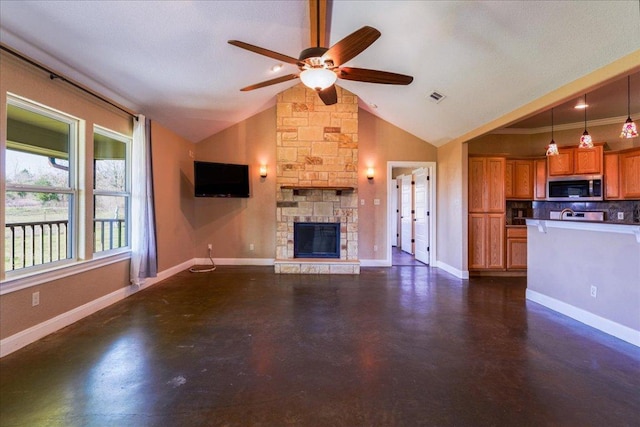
[{"x": 436, "y": 97}]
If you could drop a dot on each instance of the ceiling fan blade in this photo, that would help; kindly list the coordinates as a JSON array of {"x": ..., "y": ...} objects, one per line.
[
  {"x": 318, "y": 20},
  {"x": 352, "y": 45},
  {"x": 270, "y": 82},
  {"x": 373, "y": 76},
  {"x": 329, "y": 96},
  {"x": 265, "y": 52}
]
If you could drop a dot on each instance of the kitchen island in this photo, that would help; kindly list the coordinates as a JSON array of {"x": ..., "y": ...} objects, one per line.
[{"x": 589, "y": 271}]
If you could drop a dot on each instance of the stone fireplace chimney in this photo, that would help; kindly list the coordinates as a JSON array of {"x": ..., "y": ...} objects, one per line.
[{"x": 316, "y": 176}]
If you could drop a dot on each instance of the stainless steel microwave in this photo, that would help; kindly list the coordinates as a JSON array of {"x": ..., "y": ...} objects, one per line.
[{"x": 574, "y": 188}]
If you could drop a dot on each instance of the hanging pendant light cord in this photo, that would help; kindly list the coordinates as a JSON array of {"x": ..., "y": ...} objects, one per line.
[
  {"x": 585, "y": 112},
  {"x": 629, "y": 96}
]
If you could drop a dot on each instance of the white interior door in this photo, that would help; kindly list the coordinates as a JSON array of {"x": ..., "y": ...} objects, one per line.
[
  {"x": 396, "y": 210},
  {"x": 406, "y": 216},
  {"x": 421, "y": 207}
]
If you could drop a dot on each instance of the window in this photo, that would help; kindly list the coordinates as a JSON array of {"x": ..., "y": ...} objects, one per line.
[
  {"x": 111, "y": 190},
  {"x": 53, "y": 215},
  {"x": 41, "y": 186}
]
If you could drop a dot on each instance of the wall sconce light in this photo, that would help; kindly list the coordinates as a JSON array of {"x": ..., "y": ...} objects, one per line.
[
  {"x": 370, "y": 174},
  {"x": 263, "y": 171}
]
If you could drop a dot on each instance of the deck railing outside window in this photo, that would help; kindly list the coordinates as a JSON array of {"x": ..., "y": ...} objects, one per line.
[{"x": 34, "y": 243}]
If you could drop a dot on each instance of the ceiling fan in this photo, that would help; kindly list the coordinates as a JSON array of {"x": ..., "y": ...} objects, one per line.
[{"x": 320, "y": 66}]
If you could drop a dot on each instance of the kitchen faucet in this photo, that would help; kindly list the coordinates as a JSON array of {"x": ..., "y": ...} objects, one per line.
[{"x": 566, "y": 211}]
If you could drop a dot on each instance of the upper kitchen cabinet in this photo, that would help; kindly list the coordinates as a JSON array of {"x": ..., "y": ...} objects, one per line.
[
  {"x": 588, "y": 161},
  {"x": 540, "y": 166},
  {"x": 562, "y": 164},
  {"x": 519, "y": 179},
  {"x": 486, "y": 184},
  {"x": 629, "y": 163},
  {"x": 576, "y": 161},
  {"x": 611, "y": 176}
]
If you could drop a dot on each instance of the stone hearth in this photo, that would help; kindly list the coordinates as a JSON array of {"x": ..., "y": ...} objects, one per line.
[{"x": 317, "y": 148}]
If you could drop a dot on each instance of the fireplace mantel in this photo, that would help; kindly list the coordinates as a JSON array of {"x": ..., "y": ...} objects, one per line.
[{"x": 296, "y": 188}]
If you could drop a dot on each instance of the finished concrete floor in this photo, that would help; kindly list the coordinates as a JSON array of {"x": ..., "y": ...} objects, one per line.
[{"x": 401, "y": 346}]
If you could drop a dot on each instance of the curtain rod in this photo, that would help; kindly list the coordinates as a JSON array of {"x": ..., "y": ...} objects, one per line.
[{"x": 54, "y": 75}]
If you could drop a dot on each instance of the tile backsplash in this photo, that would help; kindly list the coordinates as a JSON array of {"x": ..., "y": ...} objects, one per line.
[{"x": 611, "y": 208}]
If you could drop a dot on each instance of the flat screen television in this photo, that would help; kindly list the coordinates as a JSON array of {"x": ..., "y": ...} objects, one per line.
[{"x": 220, "y": 179}]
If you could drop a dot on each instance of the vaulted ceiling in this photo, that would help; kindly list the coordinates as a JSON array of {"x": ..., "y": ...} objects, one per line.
[{"x": 170, "y": 60}]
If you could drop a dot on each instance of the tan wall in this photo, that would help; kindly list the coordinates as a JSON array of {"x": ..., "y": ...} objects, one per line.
[
  {"x": 174, "y": 200},
  {"x": 452, "y": 205},
  {"x": 231, "y": 225},
  {"x": 59, "y": 296},
  {"x": 381, "y": 142},
  {"x": 536, "y": 144}
]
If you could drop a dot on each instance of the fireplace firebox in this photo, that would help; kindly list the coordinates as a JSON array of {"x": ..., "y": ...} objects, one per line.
[{"x": 316, "y": 240}]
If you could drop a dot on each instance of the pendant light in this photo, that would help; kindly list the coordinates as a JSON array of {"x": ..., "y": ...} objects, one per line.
[
  {"x": 552, "y": 149},
  {"x": 629, "y": 128},
  {"x": 585, "y": 139}
]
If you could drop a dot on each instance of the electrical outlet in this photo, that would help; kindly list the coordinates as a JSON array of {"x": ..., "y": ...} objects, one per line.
[
  {"x": 376, "y": 201},
  {"x": 35, "y": 299},
  {"x": 620, "y": 215},
  {"x": 209, "y": 246},
  {"x": 375, "y": 248},
  {"x": 362, "y": 202},
  {"x": 251, "y": 247},
  {"x": 594, "y": 291}
]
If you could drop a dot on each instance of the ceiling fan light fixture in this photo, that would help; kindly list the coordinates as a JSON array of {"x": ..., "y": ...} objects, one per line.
[
  {"x": 629, "y": 129},
  {"x": 318, "y": 79}
]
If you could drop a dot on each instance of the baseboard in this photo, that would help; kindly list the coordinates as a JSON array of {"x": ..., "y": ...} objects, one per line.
[
  {"x": 235, "y": 261},
  {"x": 605, "y": 325},
  {"x": 460, "y": 274},
  {"x": 41, "y": 330},
  {"x": 374, "y": 263}
]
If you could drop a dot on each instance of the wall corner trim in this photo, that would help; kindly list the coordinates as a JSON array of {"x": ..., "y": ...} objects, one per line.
[{"x": 460, "y": 274}]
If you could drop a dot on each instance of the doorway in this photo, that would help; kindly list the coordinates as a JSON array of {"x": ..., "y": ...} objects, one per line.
[{"x": 411, "y": 213}]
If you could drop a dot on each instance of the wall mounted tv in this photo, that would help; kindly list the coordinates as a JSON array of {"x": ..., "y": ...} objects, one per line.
[{"x": 220, "y": 179}]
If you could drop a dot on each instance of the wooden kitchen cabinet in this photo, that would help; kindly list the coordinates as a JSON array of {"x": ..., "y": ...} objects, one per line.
[
  {"x": 486, "y": 241},
  {"x": 611, "y": 176},
  {"x": 562, "y": 164},
  {"x": 576, "y": 161},
  {"x": 486, "y": 184},
  {"x": 516, "y": 248},
  {"x": 518, "y": 179},
  {"x": 629, "y": 163},
  {"x": 508, "y": 179},
  {"x": 540, "y": 166},
  {"x": 588, "y": 161}
]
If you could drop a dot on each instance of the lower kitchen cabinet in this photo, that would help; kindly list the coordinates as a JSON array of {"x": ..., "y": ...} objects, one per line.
[
  {"x": 486, "y": 241},
  {"x": 516, "y": 248}
]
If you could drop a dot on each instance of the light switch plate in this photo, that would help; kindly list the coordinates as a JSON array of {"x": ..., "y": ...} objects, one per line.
[{"x": 620, "y": 215}]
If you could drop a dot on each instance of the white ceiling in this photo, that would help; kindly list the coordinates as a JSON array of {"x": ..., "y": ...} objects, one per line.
[{"x": 170, "y": 60}]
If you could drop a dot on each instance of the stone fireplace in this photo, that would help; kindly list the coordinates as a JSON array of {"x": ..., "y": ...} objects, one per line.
[{"x": 317, "y": 177}]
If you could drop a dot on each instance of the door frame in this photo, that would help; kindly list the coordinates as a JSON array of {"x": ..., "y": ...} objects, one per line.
[{"x": 431, "y": 185}]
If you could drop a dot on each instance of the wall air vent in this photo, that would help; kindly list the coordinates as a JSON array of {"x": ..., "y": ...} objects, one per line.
[{"x": 436, "y": 97}]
